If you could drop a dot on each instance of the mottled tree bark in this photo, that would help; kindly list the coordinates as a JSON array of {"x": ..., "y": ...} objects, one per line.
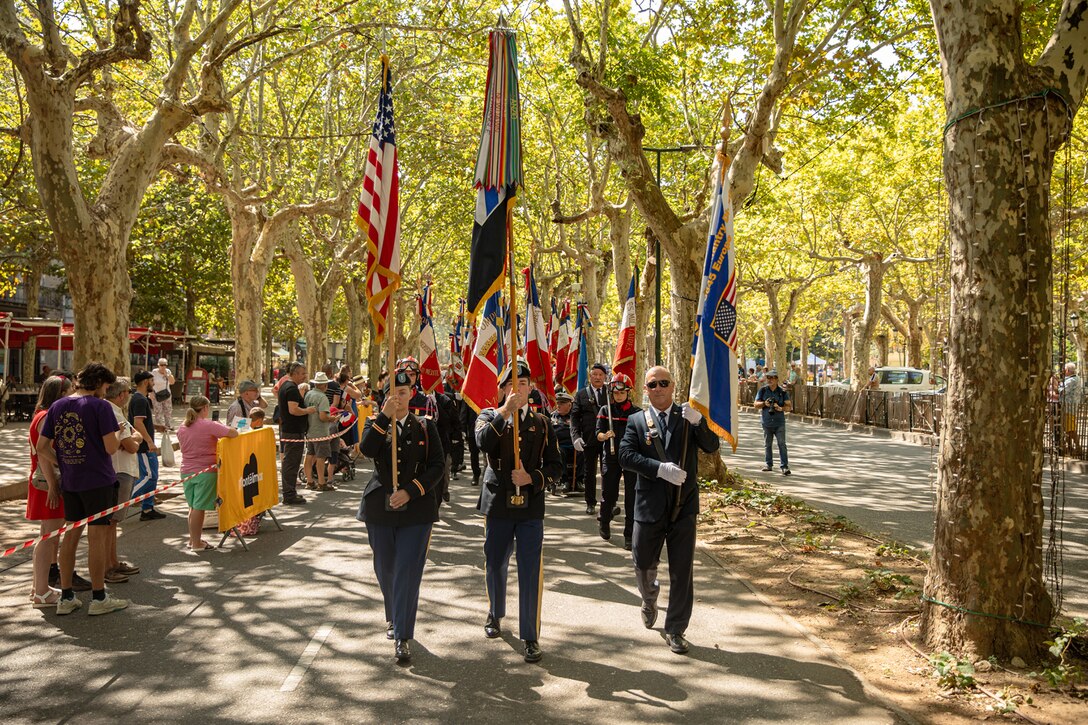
[{"x": 987, "y": 549}]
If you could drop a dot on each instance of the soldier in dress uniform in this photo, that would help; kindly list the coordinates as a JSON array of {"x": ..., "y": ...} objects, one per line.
[
  {"x": 398, "y": 522},
  {"x": 434, "y": 406},
  {"x": 660, "y": 444},
  {"x": 561, "y": 426},
  {"x": 513, "y": 501},
  {"x": 611, "y": 424}
]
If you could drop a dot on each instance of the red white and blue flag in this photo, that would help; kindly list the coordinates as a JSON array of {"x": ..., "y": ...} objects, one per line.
[
  {"x": 536, "y": 341},
  {"x": 430, "y": 370},
  {"x": 624, "y": 359},
  {"x": 481, "y": 388},
  {"x": 379, "y": 211},
  {"x": 714, "y": 385},
  {"x": 562, "y": 349}
]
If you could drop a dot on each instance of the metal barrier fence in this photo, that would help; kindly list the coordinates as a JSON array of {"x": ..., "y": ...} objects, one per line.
[{"x": 916, "y": 412}]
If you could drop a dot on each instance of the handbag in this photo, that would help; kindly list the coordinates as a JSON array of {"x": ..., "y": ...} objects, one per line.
[
  {"x": 162, "y": 395},
  {"x": 38, "y": 479},
  {"x": 166, "y": 446}
]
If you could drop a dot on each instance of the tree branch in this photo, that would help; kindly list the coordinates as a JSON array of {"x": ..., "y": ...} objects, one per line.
[{"x": 130, "y": 42}]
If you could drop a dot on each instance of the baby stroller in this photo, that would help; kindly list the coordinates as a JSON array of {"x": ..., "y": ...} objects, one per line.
[{"x": 345, "y": 466}]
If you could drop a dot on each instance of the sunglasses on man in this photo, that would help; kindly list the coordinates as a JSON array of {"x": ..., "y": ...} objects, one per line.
[{"x": 653, "y": 384}]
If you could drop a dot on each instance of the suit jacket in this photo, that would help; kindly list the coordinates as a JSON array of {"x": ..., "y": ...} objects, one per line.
[
  {"x": 655, "y": 497},
  {"x": 583, "y": 416},
  {"x": 420, "y": 465},
  {"x": 539, "y": 457}
]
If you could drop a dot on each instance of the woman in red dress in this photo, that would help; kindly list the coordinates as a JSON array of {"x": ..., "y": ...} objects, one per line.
[{"x": 41, "y": 505}]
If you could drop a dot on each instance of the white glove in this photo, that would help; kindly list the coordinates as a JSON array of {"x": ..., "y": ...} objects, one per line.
[
  {"x": 672, "y": 473},
  {"x": 457, "y": 396},
  {"x": 579, "y": 445},
  {"x": 690, "y": 414}
]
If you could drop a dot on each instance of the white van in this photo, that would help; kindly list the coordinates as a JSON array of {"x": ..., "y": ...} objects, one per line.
[{"x": 909, "y": 380}]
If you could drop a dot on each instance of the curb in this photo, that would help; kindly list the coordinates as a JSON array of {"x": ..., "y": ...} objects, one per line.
[{"x": 870, "y": 690}]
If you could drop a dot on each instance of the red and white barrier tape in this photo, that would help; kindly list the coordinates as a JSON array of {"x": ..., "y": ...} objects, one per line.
[
  {"x": 101, "y": 514},
  {"x": 318, "y": 440}
]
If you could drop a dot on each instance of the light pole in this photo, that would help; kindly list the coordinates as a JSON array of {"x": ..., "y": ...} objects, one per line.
[{"x": 657, "y": 243}]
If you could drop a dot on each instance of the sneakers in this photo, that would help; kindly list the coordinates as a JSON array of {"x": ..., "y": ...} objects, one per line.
[
  {"x": 765, "y": 469},
  {"x": 105, "y": 606},
  {"x": 786, "y": 470},
  {"x": 115, "y": 577},
  {"x": 67, "y": 606},
  {"x": 127, "y": 569},
  {"x": 79, "y": 584},
  {"x": 151, "y": 515}
]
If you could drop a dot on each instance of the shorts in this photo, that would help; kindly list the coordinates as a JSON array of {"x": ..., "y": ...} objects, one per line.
[
  {"x": 124, "y": 493},
  {"x": 321, "y": 449},
  {"x": 79, "y": 505},
  {"x": 201, "y": 491}
]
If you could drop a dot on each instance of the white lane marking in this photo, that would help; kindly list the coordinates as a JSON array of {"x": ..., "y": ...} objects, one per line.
[{"x": 306, "y": 658}]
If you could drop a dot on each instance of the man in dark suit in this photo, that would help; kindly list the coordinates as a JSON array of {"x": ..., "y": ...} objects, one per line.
[
  {"x": 588, "y": 401},
  {"x": 399, "y": 518},
  {"x": 660, "y": 444},
  {"x": 513, "y": 501}
]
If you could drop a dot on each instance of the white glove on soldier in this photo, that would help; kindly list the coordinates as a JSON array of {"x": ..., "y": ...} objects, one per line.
[
  {"x": 690, "y": 414},
  {"x": 672, "y": 473},
  {"x": 579, "y": 445}
]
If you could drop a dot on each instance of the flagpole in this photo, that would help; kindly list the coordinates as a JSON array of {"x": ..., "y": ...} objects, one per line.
[
  {"x": 390, "y": 364},
  {"x": 512, "y": 324}
]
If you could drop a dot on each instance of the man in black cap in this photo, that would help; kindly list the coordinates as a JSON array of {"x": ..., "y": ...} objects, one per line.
[
  {"x": 513, "y": 501},
  {"x": 561, "y": 426},
  {"x": 140, "y": 414},
  {"x": 583, "y": 428},
  {"x": 399, "y": 517},
  {"x": 660, "y": 444},
  {"x": 611, "y": 424},
  {"x": 773, "y": 403}
]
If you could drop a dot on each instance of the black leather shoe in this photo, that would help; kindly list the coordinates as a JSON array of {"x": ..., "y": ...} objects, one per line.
[
  {"x": 151, "y": 515},
  {"x": 615, "y": 511},
  {"x": 532, "y": 652},
  {"x": 589, "y": 509},
  {"x": 605, "y": 530},
  {"x": 476, "y": 480},
  {"x": 295, "y": 500},
  {"x": 493, "y": 626},
  {"x": 627, "y": 543},
  {"x": 677, "y": 643},
  {"x": 649, "y": 616},
  {"x": 402, "y": 651},
  {"x": 389, "y": 630}
]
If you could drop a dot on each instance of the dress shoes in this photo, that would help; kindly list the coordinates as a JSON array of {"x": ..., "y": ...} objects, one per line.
[
  {"x": 389, "y": 630},
  {"x": 590, "y": 508},
  {"x": 402, "y": 651},
  {"x": 605, "y": 530},
  {"x": 493, "y": 626},
  {"x": 533, "y": 652},
  {"x": 627, "y": 543},
  {"x": 476, "y": 480},
  {"x": 649, "y": 615},
  {"x": 677, "y": 643},
  {"x": 615, "y": 511}
]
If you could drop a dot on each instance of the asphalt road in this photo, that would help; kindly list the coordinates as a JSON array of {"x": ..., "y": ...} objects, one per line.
[
  {"x": 889, "y": 487},
  {"x": 293, "y": 631}
]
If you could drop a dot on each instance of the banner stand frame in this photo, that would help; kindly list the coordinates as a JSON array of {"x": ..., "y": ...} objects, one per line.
[{"x": 238, "y": 535}]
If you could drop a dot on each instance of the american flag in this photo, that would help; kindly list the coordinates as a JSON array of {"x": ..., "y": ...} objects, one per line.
[{"x": 379, "y": 210}]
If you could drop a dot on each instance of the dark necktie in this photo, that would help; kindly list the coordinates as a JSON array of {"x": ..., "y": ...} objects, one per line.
[{"x": 664, "y": 423}]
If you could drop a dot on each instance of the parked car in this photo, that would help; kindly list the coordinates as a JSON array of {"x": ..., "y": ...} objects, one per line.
[
  {"x": 898, "y": 380},
  {"x": 909, "y": 380}
]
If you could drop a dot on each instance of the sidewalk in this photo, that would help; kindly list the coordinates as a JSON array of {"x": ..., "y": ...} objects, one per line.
[{"x": 293, "y": 631}]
